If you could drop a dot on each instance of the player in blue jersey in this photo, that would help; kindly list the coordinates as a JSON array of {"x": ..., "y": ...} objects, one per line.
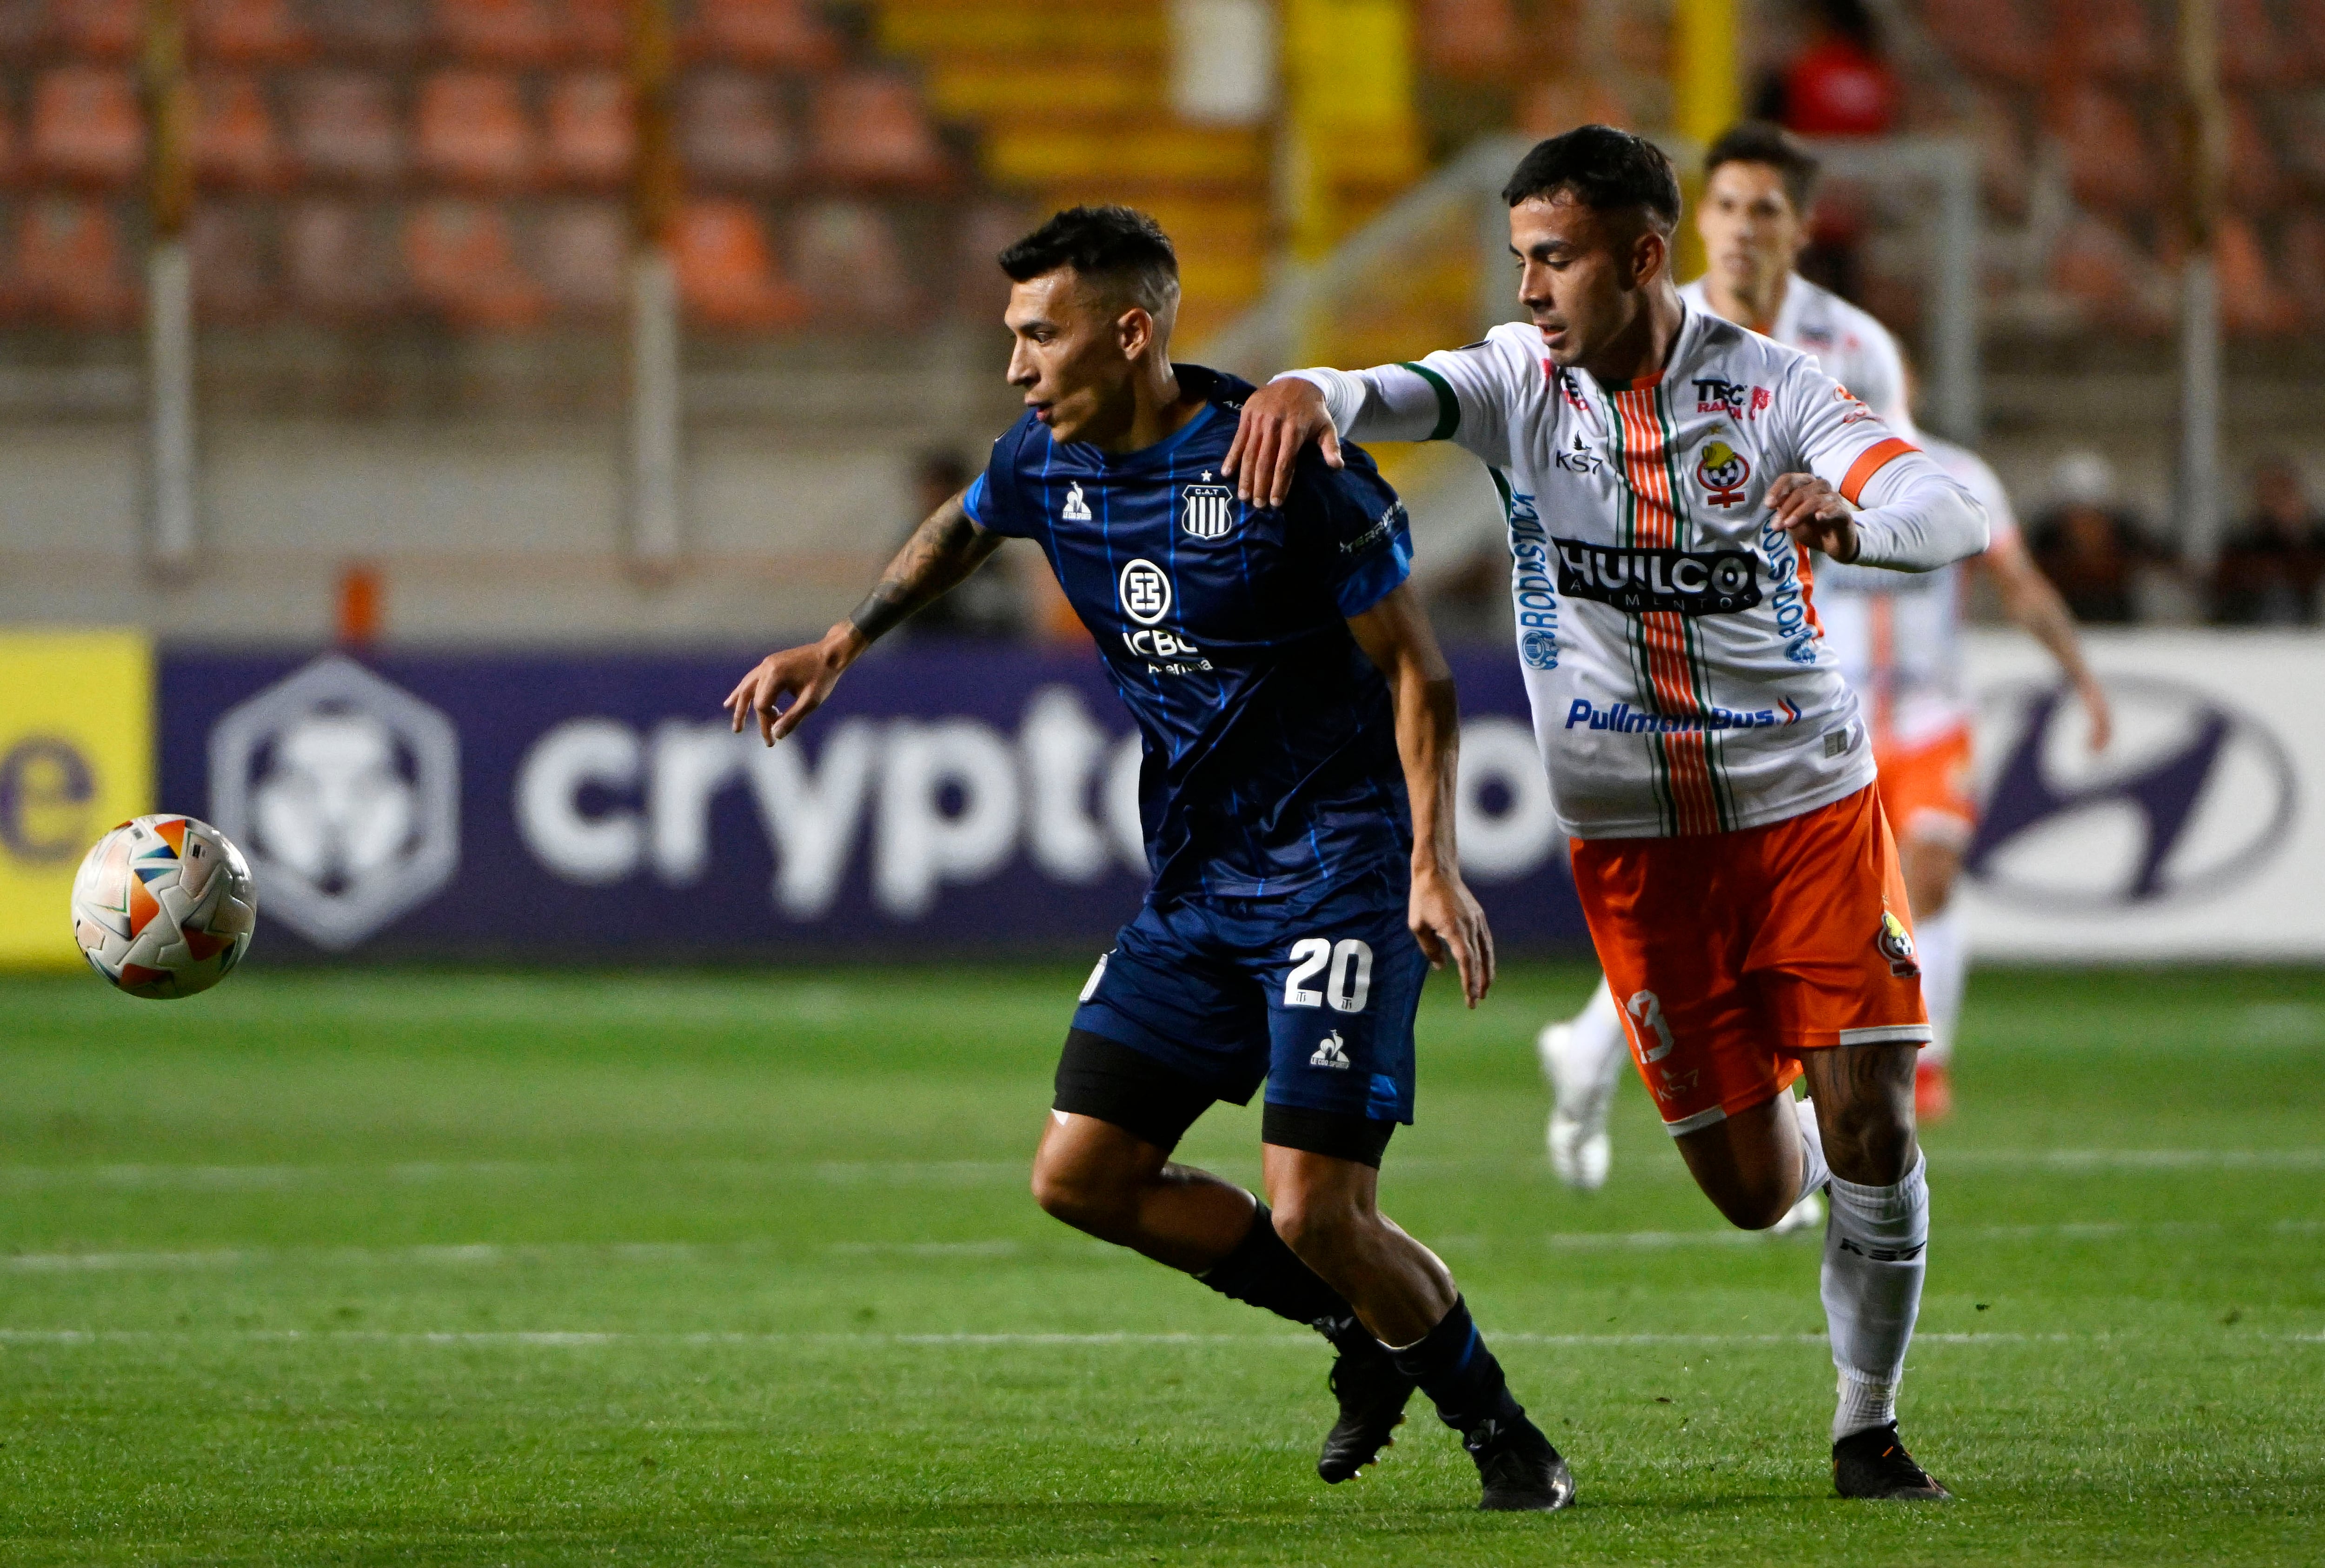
[{"x": 1299, "y": 730}]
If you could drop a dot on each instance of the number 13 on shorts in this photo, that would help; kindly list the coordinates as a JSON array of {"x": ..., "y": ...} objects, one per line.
[{"x": 1347, "y": 966}]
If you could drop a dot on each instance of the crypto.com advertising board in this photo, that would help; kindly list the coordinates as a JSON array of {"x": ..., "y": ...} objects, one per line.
[{"x": 548, "y": 807}]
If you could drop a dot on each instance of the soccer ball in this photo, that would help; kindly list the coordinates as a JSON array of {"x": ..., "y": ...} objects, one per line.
[{"x": 163, "y": 907}]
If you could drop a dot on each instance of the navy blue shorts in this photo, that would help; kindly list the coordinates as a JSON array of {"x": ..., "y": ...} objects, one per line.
[{"x": 1315, "y": 996}]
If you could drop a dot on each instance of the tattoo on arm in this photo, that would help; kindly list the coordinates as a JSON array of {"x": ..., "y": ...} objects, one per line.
[{"x": 941, "y": 552}]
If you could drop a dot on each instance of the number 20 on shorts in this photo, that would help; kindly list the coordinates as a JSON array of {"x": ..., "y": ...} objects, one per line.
[{"x": 1345, "y": 987}]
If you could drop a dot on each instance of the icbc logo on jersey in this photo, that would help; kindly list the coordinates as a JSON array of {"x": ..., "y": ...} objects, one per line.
[{"x": 1723, "y": 473}]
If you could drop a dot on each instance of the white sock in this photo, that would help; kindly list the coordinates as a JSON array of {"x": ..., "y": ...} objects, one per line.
[
  {"x": 1814, "y": 1173},
  {"x": 1875, "y": 1256},
  {"x": 1600, "y": 1042},
  {"x": 1938, "y": 943}
]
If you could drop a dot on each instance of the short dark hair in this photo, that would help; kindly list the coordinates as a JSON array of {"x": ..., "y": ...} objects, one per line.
[
  {"x": 1759, "y": 142},
  {"x": 1602, "y": 168},
  {"x": 1111, "y": 245}
]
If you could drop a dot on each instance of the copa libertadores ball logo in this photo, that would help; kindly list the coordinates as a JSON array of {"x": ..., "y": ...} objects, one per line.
[{"x": 343, "y": 790}]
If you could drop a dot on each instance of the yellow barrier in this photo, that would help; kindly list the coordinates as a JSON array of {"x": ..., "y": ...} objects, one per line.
[{"x": 76, "y": 757}]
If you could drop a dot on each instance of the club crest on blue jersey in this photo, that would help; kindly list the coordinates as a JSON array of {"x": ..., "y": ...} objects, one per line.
[{"x": 1210, "y": 512}]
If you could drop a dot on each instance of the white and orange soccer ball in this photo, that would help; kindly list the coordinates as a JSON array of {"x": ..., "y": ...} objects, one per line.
[{"x": 164, "y": 906}]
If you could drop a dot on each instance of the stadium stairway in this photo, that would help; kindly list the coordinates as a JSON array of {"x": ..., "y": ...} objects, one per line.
[{"x": 1071, "y": 103}]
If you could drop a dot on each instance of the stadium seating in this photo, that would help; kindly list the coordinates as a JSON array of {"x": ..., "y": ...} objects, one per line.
[{"x": 467, "y": 162}]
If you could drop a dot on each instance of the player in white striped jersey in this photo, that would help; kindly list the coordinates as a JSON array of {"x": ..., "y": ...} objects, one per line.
[
  {"x": 1666, "y": 474},
  {"x": 1759, "y": 186}
]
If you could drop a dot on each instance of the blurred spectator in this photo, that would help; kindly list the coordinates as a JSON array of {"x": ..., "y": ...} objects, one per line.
[
  {"x": 2090, "y": 550},
  {"x": 2270, "y": 567},
  {"x": 989, "y": 604},
  {"x": 1838, "y": 84}
]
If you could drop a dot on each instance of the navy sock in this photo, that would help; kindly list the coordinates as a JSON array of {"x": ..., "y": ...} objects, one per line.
[
  {"x": 1461, "y": 1378},
  {"x": 1263, "y": 1272}
]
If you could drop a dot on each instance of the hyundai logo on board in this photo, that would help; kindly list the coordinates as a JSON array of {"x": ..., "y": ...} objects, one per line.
[{"x": 2194, "y": 796}]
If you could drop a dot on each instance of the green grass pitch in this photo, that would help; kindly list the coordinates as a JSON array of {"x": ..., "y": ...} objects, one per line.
[{"x": 479, "y": 1269}]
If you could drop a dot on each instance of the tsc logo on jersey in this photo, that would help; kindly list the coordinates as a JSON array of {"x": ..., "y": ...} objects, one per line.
[
  {"x": 1210, "y": 512},
  {"x": 1896, "y": 945},
  {"x": 1076, "y": 509},
  {"x": 1145, "y": 591},
  {"x": 1642, "y": 581},
  {"x": 1723, "y": 473}
]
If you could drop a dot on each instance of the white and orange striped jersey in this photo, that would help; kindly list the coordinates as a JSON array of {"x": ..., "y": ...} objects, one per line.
[
  {"x": 1850, "y": 345},
  {"x": 1897, "y": 635},
  {"x": 1678, "y": 681}
]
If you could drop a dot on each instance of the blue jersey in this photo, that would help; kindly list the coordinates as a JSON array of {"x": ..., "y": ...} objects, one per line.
[{"x": 1271, "y": 765}]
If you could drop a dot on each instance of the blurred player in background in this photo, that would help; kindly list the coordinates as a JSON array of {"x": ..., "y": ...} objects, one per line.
[
  {"x": 1665, "y": 473},
  {"x": 1897, "y": 634},
  {"x": 1301, "y": 731}
]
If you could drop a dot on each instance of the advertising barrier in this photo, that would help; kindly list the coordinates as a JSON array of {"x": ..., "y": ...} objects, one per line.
[
  {"x": 76, "y": 757},
  {"x": 2196, "y": 834},
  {"x": 547, "y": 807},
  {"x": 967, "y": 799}
]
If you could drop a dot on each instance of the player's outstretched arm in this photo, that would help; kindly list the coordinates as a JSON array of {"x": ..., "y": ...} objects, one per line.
[
  {"x": 786, "y": 686},
  {"x": 1277, "y": 421},
  {"x": 2029, "y": 599},
  {"x": 1394, "y": 633}
]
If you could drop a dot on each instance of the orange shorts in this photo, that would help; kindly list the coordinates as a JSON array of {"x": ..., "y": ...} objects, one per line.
[
  {"x": 1732, "y": 953},
  {"x": 1926, "y": 788}
]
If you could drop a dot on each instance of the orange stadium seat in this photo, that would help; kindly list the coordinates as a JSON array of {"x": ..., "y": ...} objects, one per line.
[
  {"x": 502, "y": 32},
  {"x": 597, "y": 29},
  {"x": 85, "y": 126},
  {"x": 593, "y": 136},
  {"x": 846, "y": 257},
  {"x": 2302, "y": 123},
  {"x": 246, "y": 32},
  {"x": 2098, "y": 266},
  {"x": 788, "y": 32},
  {"x": 471, "y": 129},
  {"x": 1995, "y": 127},
  {"x": 233, "y": 142},
  {"x": 726, "y": 271},
  {"x": 99, "y": 29},
  {"x": 462, "y": 259},
  {"x": 2252, "y": 52},
  {"x": 26, "y": 28},
  {"x": 344, "y": 126},
  {"x": 2105, "y": 38},
  {"x": 231, "y": 280},
  {"x": 585, "y": 247},
  {"x": 2255, "y": 177},
  {"x": 870, "y": 128},
  {"x": 2001, "y": 38},
  {"x": 370, "y": 30},
  {"x": 2253, "y": 302},
  {"x": 2110, "y": 161},
  {"x": 337, "y": 263},
  {"x": 2304, "y": 265},
  {"x": 69, "y": 263},
  {"x": 1467, "y": 39},
  {"x": 731, "y": 130}
]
